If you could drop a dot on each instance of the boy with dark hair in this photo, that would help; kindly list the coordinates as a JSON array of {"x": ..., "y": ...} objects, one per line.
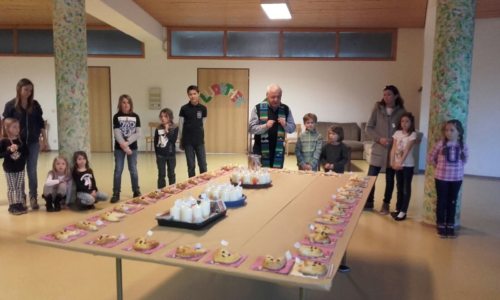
[{"x": 192, "y": 117}]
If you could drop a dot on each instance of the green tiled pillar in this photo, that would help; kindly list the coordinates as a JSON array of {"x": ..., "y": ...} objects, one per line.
[
  {"x": 451, "y": 72},
  {"x": 70, "y": 55}
]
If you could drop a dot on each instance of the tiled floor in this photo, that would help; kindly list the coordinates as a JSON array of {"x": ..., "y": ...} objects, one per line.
[{"x": 389, "y": 260}]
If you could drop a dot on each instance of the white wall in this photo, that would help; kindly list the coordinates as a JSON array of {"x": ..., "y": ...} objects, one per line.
[
  {"x": 340, "y": 91},
  {"x": 336, "y": 91}
]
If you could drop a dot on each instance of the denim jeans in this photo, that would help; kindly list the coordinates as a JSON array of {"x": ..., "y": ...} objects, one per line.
[
  {"x": 403, "y": 183},
  {"x": 169, "y": 163},
  {"x": 389, "y": 184},
  {"x": 199, "y": 151},
  {"x": 447, "y": 194},
  {"x": 88, "y": 199},
  {"x": 31, "y": 164},
  {"x": 132, "y": 168}
]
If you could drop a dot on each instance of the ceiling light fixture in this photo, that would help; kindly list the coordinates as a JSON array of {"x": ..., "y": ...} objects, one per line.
[{"x": 276, "y": 10}]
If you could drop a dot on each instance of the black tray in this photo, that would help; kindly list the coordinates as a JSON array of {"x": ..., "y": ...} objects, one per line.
[
  {"x": 166, "y": 220},
  {"x": 254, "y": 186}
]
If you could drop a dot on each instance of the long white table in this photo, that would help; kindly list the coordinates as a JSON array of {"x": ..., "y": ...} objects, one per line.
[{"x": 270, "y": 223}]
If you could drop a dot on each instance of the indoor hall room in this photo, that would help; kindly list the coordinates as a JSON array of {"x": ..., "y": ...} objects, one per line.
[{"x": 144, "y": 58}]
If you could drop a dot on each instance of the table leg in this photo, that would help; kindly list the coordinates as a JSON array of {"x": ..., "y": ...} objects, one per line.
[
  {"x": 344, "y": 259},
  {"x": 119, "y": 287},
  {"x": 302, "y": 294}
]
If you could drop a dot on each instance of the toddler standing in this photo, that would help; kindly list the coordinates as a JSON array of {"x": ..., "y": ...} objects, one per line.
[
  {"x": 335, "y": 154},
  {"x": 448, "y": 156},
  {"x": 14, "y": 153}
]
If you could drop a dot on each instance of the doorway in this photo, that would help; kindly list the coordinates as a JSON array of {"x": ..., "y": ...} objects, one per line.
[
  {"x": 99, "y": 91},
  {"x": 225, "y": 94}
]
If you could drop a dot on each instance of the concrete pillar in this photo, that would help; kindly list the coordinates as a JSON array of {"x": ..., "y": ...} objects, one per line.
[
  {"x": 451, "y": 72},
  {"x": 70, "y": 56}
]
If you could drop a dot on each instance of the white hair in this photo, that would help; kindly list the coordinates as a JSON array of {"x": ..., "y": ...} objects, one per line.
[{"x": 272, "y": 87}]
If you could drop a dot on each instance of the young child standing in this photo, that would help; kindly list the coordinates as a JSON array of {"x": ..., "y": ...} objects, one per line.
[
  {"x": 191, "y": 121},
  {"x": 14, "y": 153},
  {"x": 308, "y": 147},
  {"x": 164, "y": 141},
  {"x": 403, "y": 162},
  {"x": 57, "y": 184},
  {"x": 83, "y": 176},
  {"x": 127, "y": 130},
  {"x": 448, "y": 156},
  {"x": 335, "y": 154}
]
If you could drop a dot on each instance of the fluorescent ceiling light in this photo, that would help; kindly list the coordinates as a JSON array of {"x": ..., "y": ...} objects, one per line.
[{"x": 276, "y": 11}]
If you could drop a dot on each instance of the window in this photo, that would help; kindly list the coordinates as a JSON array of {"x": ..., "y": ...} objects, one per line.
[
  {"x": 327, "y": 44},
  {"x": 365, "y": 44},
  {"x": 197, "y": 43},
  {"x": 35, "y": 41},
  {"x": 6, "y": 41},
  {"x": 309, "y": 44},
  {"x": 252, "y": 44},
  {"x": 112, "y": 42},
  {"x": 107, "y": 42}
]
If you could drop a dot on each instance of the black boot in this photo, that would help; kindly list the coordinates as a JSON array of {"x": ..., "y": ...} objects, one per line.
[
  {"x": 115, "y": 198},
  {"x": 57, "y": 202},
  {"x": 49, "y": 203}
]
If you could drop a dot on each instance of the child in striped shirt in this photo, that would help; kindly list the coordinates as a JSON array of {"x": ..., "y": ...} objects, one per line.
[
  {"x": 308, "y": 147},
  {"x": 448, "y": 157}
]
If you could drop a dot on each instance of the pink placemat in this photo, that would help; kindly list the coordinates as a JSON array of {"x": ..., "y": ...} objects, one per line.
[
  {"x": 97, "y": 218},
  {"x": 327, "y": 254},
  {"x": 52, "y": 238},
  {"x": 130, "y": 248},
  {"x": 171, "y": 254},
  {"x": 210, "y": 260},
  {"x": 257, "y": 266},
  {"x": 120, "y": 240}
]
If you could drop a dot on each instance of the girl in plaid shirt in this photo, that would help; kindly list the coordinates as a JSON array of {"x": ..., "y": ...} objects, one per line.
[
  {"x": 448, "y": 157},
  {"x": 308, "y": 147}
]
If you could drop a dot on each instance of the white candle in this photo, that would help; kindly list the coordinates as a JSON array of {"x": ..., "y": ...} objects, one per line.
[
  {"x": 186, "y": 214},
  {"x": 205, "y": 208},
  {"x": 175, "y": 212},
  {"x": 197, "y": 213}
]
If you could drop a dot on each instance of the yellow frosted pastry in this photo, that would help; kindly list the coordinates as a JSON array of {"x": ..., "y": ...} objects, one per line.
[
  {"x": 327, "y": 219},
  {"x": 310, "y": 251},
  {"x": 143, "y": 243},
  {"x": 320, "y": 237},
  {"x": 188, "y": 252},
  {"x": 224, "y": 256},
  {"x": 312, "y": 268},
  {"x": 274, "y": 263},
  {"x": 324, "y": 228},
  {"x": 65, "y": 234},
  {"x": 112, "y": 216},
  {"x": 140, "y": 200},
  {"x": 104, "y": 239},
  {"x": 86, "y": 225}
]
